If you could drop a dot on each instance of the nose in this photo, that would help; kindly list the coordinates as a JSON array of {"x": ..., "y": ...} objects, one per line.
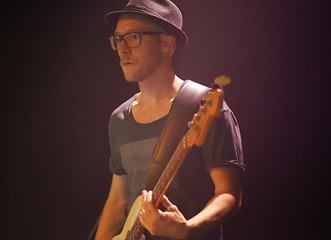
[{"x": 122, "y": 48}]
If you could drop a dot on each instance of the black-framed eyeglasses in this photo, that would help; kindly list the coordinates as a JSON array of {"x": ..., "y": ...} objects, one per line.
[{"x": 131, "y": 39}]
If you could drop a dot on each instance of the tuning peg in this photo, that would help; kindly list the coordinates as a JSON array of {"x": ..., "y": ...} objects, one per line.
[
  {"x": 221, "y": 81},
  {"x": 203, "y": 109},
  {"x": 190, "y": 124},
  {"x": 209, "y": 102},
  {"x": 215, "y": 86},
  {"x": 196, "y": 117}
]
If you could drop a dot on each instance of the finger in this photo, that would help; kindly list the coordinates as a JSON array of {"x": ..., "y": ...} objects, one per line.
[
  {"x": 144, "y": 202},
  {"x": 141, "y": 217},
  {"x": 149, "y": 205},
  {"x": 144, "y": 194},
  {"x": 149, "y": 196},
  {"x": 166, "y": 202}
]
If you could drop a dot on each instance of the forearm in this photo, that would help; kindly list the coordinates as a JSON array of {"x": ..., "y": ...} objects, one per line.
[
  {"x": 111, "y": 221},
  {"x": 172, "y": 223},
  {"x": 217, "y": 211}
]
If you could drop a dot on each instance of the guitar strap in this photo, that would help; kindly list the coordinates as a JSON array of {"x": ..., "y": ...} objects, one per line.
[
  {"x": 183, "y": 107},
  {"x": 185, "y": 104}
]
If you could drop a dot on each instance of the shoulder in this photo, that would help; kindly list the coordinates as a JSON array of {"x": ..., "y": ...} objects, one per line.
[
  {"x": 124, "y": 109},
  {"x": 193, "y": 87},
  {"x": 227, "y": 115}
]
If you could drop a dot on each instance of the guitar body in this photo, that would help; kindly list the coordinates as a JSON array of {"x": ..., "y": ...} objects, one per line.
[{"x": 132, "y": 217}]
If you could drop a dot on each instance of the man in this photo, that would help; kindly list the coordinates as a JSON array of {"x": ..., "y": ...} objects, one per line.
[{"x": 206, "y": 191}]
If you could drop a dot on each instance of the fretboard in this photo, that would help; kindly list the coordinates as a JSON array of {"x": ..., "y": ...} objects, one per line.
[{"x": 163, "y": 183}]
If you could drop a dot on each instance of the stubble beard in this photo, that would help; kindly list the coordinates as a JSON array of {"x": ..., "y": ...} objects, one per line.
[{"x": 140, "y": 72}]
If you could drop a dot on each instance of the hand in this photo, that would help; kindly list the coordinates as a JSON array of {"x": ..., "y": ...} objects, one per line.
[{"x": 170, "y": 223}]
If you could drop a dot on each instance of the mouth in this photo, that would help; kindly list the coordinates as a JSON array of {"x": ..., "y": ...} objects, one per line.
[{"x": 126, "y": 64}]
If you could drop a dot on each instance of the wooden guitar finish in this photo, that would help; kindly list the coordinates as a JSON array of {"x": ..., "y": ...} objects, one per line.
[{"x": 211, "y": 106}]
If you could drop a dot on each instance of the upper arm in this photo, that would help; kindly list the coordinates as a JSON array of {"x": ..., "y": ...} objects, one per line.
[
  {"x": 227, "y": 180},
  {"x": 119, "y": 189}
]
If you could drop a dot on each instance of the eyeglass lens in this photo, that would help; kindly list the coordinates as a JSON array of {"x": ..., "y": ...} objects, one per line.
[{"x": 131, "y": 40}]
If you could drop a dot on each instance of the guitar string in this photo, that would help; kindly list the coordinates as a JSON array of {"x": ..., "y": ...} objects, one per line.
[
  {"x": 173, "y": 162},
  {"x": 165, "y": 176},
  {"x": 137, "y": 226},
  {"x": 160, "y": 185}
]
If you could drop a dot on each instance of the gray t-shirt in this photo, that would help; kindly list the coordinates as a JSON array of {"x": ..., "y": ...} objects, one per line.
[{"x": 132, "y": 145}]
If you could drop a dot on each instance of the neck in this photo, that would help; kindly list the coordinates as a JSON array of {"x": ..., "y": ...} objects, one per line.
[{"x": 158, "y": 89}]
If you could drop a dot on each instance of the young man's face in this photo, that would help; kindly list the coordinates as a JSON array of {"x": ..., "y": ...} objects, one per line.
[{"x": 141, "y": 62}]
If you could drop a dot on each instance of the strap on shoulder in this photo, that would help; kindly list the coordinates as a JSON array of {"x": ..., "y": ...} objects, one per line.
[{"x": 185, "y": 104}]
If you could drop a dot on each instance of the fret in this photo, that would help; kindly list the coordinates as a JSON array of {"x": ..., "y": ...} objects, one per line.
[{"x": 198, "y": 128}]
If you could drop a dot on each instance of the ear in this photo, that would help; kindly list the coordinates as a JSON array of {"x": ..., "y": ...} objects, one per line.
[{"x": 169, "y": 44}]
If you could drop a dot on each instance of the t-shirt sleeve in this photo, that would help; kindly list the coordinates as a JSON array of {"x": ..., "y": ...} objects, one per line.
[
  {"x": 223, "y": 145},
  {"x": 116, "y": 167},
  {"x": 115, "y": 163}
]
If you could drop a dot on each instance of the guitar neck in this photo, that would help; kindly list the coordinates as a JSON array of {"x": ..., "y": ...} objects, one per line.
[
  {"x": 162, "y": 185},
  {"x": 198, "y": 129},
  {"x": 171, "y": 169}
]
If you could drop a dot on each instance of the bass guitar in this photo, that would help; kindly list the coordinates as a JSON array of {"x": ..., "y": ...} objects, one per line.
[{"x": 210, "y": 107}]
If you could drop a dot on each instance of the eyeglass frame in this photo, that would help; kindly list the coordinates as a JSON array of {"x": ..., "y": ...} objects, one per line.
[{"x": 121, "y": 38}]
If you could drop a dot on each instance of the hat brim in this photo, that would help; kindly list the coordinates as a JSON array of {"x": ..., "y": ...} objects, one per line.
[{"x": 181, "y": 38}]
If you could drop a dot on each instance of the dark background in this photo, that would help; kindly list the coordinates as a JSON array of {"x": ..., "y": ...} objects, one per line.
[{"x": 60, "y": 81}]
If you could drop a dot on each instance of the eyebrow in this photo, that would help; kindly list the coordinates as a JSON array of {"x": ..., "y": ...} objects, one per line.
[{"x": 128, "y": 31}]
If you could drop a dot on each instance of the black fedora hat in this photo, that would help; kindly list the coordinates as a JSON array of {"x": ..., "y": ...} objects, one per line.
[{"x": 162, "y": 12}]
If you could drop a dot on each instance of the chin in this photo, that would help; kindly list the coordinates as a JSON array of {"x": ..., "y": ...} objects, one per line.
[{"x": 130, "y": 79}]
